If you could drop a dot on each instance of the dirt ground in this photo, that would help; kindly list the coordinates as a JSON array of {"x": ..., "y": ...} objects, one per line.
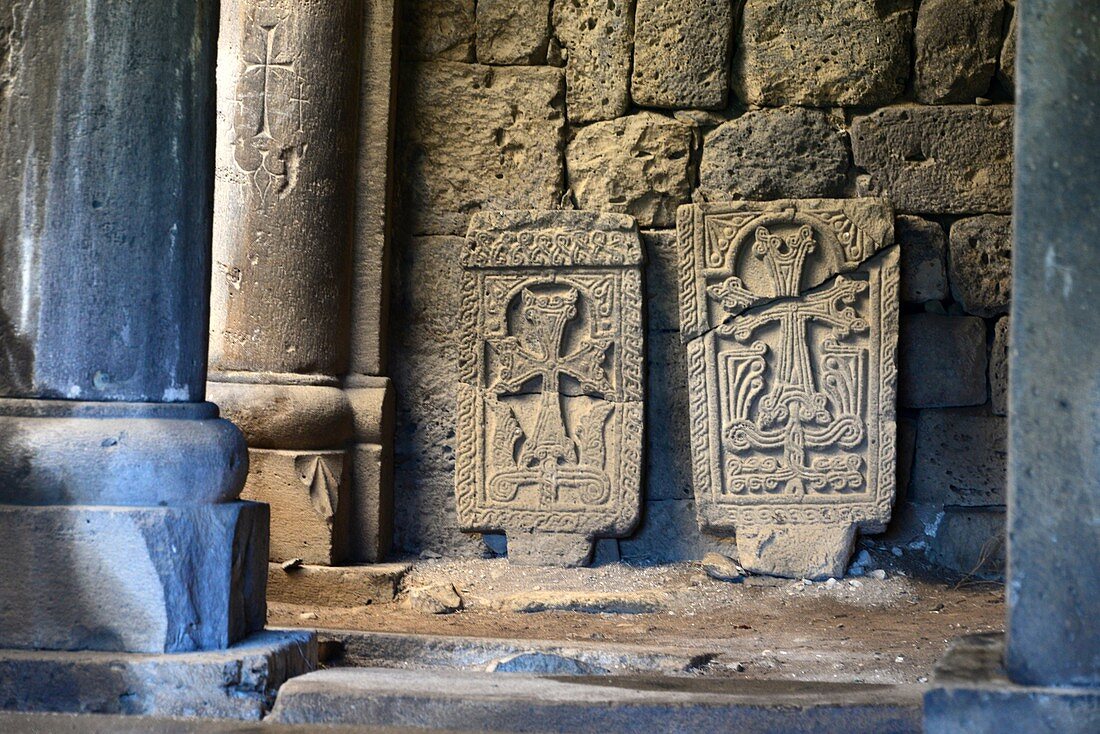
[{"x": 861, "y": 629}]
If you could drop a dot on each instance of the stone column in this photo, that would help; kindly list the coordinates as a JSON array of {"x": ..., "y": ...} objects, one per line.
[
  {"x": 118, "y": 484},
  {"x": 288, "y": 76},
  {"x": 371, "y": 393},
  {"x": 1049, "y": 676}
]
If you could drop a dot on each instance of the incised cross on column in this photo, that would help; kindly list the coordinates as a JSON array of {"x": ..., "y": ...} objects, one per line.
[
  {"x": 268, "y": 67},
  {"x": 537, "y": 353}
]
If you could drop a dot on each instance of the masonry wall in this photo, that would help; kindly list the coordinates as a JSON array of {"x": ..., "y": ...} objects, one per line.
[{"x": 639, "y": 107}]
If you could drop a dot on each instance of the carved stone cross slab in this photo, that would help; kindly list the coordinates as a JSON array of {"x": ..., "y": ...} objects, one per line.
[
  {"x": 789, "y": 310},
  {"x": 549, "y": 430}
]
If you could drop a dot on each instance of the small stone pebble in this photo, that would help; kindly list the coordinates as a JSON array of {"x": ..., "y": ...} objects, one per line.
[
  {"x": 830, "y": 584},
  {"x": 308, "y": 615},
  {"x": 897, "y": 551},
  {"x": 879, "y": 574},
  {"x": 855, "y": 583}
]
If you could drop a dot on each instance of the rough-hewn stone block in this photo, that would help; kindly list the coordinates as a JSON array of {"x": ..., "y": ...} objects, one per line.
[
  {"x": 550, "y": 395},
  {"x": 937, "y": 160},
  {"x": 668, "y": 446},
  {"x": 923, "y": 259},
  {"x": 957, "y": 43},
  {"x": 597, "y": 37},
  {"x": 438, "y": 29},
  {"x": 309, "y": 495},
  {"x": 792, "y": 428},
  {"x": 981, "y": 264},
  {"x": 682, "y": 53},
  {"x": 960, "y": 458},
  {"x": 942, "y": 361},
  {"x": 826, "y": 54},
  {"x": 638, "y": 165},
  {"x": 662, "y": 278},
  {"x": 789, "y": 152},
  {"x": 998, "y": 367},
  {"x": 512, "y": 31},
  {"x": 478, "y": 137},
  {"x": 137, "y": 579},
  {"x": 335, "y": 586},
  {"x": 426, "y": 300},
  {"x": 970, "y": 541}
]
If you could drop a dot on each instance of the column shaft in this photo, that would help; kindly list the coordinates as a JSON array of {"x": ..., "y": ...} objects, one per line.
[{"x": 1054, "y": 410}]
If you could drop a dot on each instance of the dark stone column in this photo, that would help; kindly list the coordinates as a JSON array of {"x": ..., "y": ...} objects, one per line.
[
  {"x": 1045, "y": 676},
  {"x": 118, "y": 483}
]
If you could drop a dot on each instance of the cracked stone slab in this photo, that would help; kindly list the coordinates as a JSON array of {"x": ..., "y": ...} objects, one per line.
[
  {"x": 789, "y": 312},
  {"x": 550, "y": 417}
]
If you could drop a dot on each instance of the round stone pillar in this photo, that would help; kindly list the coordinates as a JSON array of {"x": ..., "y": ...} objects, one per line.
[
  {"x": 288, "y": 76},
  {"x": 118, "y": 482}
]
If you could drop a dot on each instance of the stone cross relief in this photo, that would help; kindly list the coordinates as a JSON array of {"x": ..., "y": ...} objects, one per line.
[
  {"x": 550, "y": 402},
  {"x": 789, "y": 316},
  {"x": 270, "y": 104}
]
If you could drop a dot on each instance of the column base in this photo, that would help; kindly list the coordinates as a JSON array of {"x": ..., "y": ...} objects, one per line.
[
  {"x": 237, "y": 683},
  {"x": 972, "y": 693},
  {"x": 134, "y": 579}
]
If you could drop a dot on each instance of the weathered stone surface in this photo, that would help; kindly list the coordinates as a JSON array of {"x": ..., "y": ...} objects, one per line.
[
  {"x": 335, "y": 586},
  {"x": 981, "y": 264},
  {"x": 237, "y": 683},
  {"x": 541, "y": 663},
  {"x": 792, "y": 428},
  {"x": 722, "y": 567},
  {"x": 427, "y": 299},
  {"x": 283, "y": 195},
  {"x": 662, "y": 278},
  {"x": 478, "y": 701},
  {"x": 972, "y": 692},
  {"x": 1006, "y": 69},
  {"x": 957, "y": 43},
  {"x": 375, "y": 211},
  {"x": 478, "y": 137},
  {"x": 670, "y": 533},
  {"x": 742, "y": 160},
  {"x": 668, "y": 447},
  {"x": 960, "y": 458},
  {"x": 370, "y": 518},
  {"x": 937, "y": 160},
  {"x": 843, "y": 53},
  {"x": 273, "y": 415},
  {"x": 105, "y": 180},
  {"x": 810, "y": 551},
  {"x": 141, "y": 579},
  {"x": 923, "y": 259},
  {"x": 308, "y": 493},
  {"x": 551, "y": 353},
  {"x": 998, "y": 368},
  {"x": 438, "y": 29},
  {"x": 970, "y": 540},
  {"x": 585, "y": 602},
  {"x": 638, "y": 165},
  {"x": 434, "y": 599},
  {"x": 943, "y": 361},
  {"x": 597, "y": 37},
  {"x": 512, "y": 31},
  {"x": 682, "y": 53}
]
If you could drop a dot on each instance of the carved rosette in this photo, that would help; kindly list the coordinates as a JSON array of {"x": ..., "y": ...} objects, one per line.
[
  {"x": 789, "y": 312},
  {"x": 550, "y": 412}
]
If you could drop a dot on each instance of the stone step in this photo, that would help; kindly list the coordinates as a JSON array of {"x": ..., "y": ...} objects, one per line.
[
  {"x": 337, "y": 586},
  {"x": 527, "y": 703}
]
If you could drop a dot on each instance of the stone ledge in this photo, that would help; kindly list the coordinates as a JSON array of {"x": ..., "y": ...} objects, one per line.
[
  {"x": 973, "y": 694},
  {"x": 520, "y": 702},
  {"x": 237, "y": 683},
  {"x": 335, "y": 586}
]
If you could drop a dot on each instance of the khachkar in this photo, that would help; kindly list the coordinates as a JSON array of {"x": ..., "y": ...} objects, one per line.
[
  {"x": 789, "y": 310},
  {"x": 550, "y": 411},
  {"x": 288, "y": 78},
  {"x": 119, "y": 484}
]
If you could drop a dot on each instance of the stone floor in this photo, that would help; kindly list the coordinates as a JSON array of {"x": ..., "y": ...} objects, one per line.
[{"x": 674, "y": 619}]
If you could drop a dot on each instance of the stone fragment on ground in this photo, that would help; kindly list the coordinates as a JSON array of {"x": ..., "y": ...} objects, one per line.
[
  {"x": 937, "y": 160},
  {"x": 638, "y": 165},
  {"x": 957, "y": 43},
  {"x": 597, "y": 38},
  {"x": 543, "y": 663},
  {"x": 981, "y": 264},
  {"x": 830, "y": 53},
  {"x": 739, "y": 158},
  {"x": 434, "y": 599},
  {"x": 682, "y": 53},
  {"x": 722, "y": 568},
  {"x": 595, "y": 602}
]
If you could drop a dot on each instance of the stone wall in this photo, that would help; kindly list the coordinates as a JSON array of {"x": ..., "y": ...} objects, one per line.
[{"x": 639, "y": 106}]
